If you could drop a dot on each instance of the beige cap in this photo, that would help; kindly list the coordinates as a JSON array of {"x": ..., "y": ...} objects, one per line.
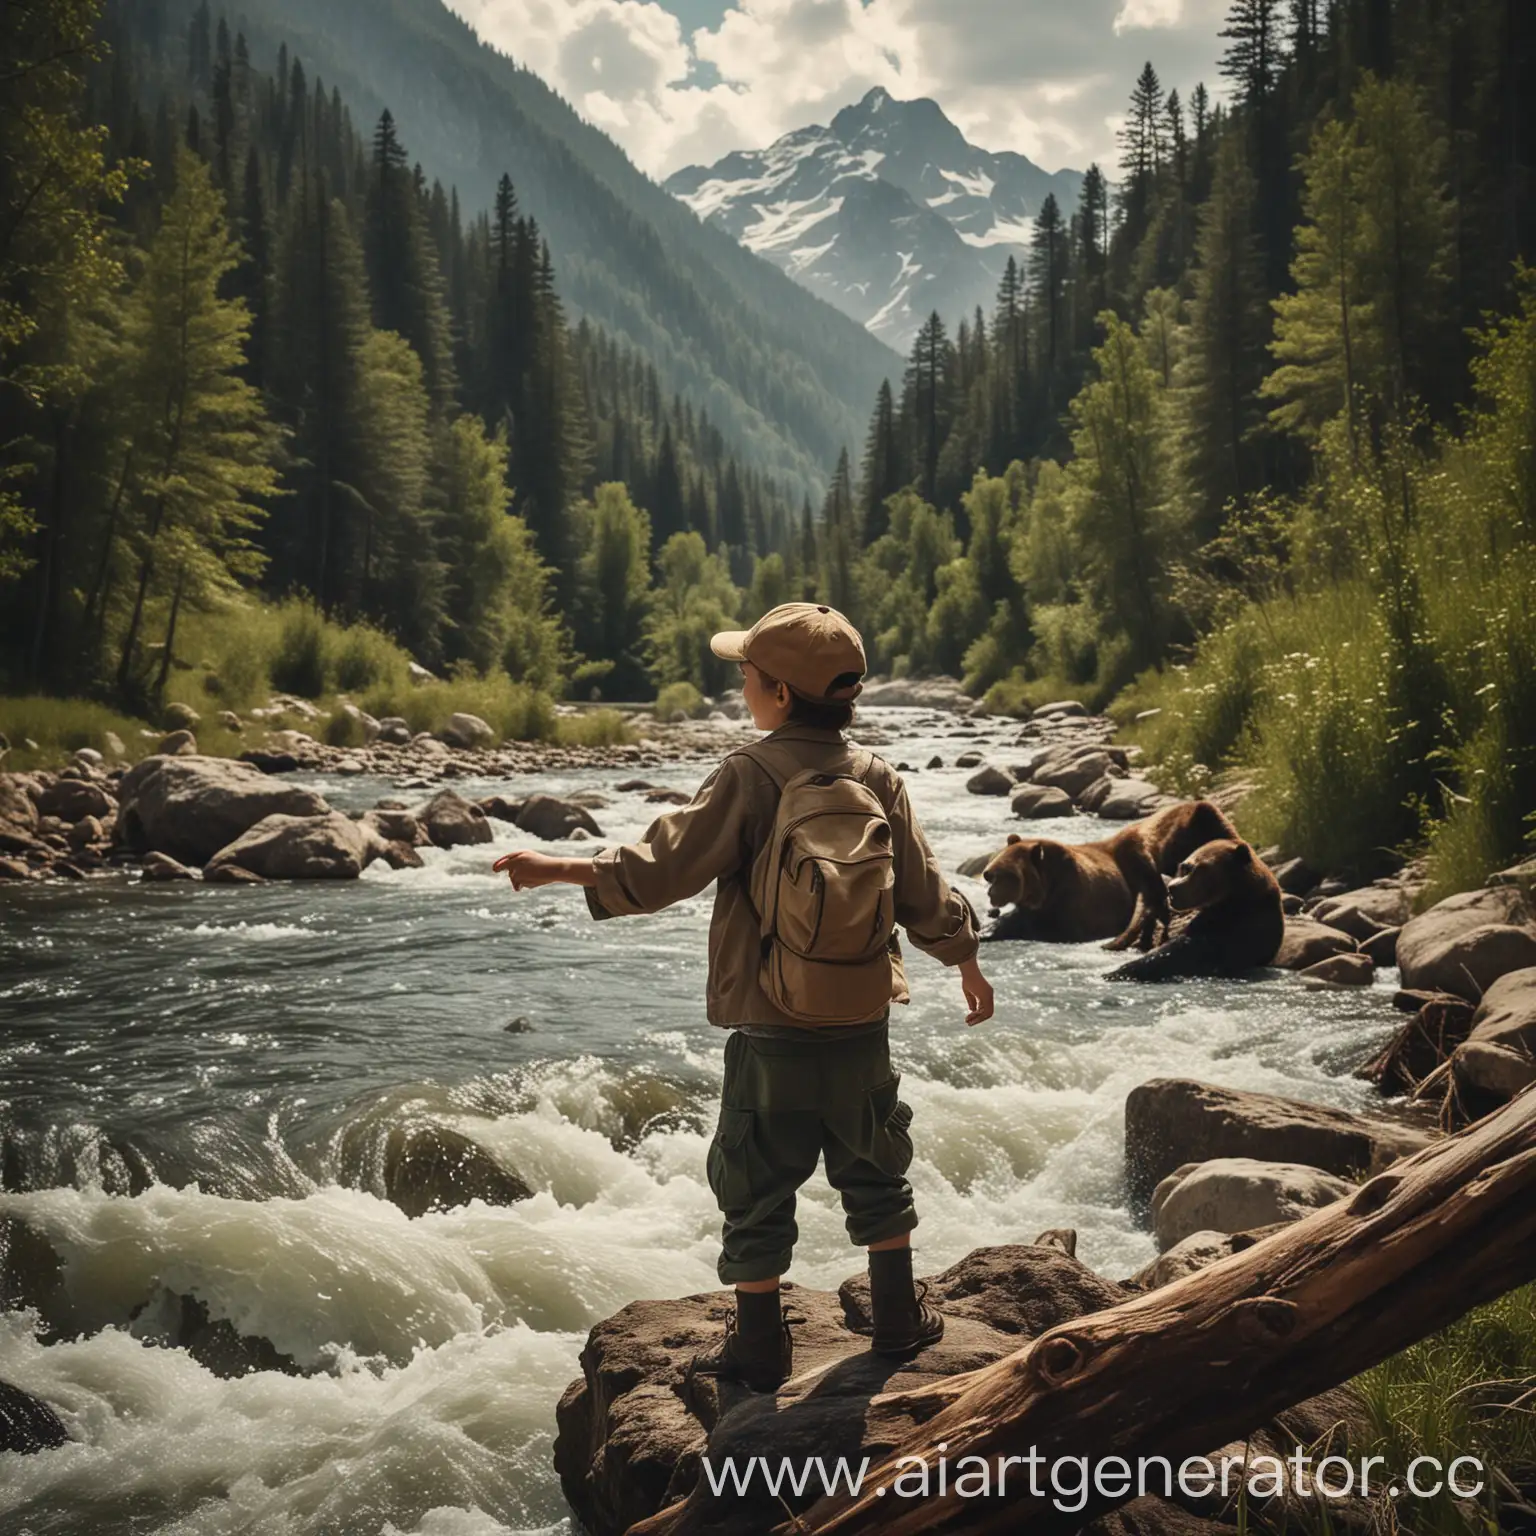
[{"x": 807, "y": 646}]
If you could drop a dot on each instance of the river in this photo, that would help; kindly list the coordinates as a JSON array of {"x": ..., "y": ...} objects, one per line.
[{"x": 237, "y": 1056}]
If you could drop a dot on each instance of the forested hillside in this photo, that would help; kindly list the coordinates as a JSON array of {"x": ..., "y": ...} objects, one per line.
[
  {"x": 781, "y": 373},
  {"x": 248, "y": 345},
  {"x": 1247, "y": 447}
]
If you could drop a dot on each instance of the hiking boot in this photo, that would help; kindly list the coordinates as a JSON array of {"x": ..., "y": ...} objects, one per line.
[
  {"x": 903, "y": 1323},
  {"x": 757, "y": 1350}
]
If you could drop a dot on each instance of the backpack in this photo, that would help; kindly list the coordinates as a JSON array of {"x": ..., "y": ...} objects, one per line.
[{"x": 824, "y": 890}]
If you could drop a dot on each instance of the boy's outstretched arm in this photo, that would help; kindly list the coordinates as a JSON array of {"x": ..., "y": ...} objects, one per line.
[{"x": 528, "y": 870}]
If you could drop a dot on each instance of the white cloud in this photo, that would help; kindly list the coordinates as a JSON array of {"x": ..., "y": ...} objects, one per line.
[
  {"x": 1039, "y": 76},
  {"x": 1149, "y": 13}
]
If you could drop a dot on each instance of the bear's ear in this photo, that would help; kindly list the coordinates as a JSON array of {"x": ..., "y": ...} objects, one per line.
[
  {"x": 1243, "y": 853},
  {"x": 1013, "y": 837}
]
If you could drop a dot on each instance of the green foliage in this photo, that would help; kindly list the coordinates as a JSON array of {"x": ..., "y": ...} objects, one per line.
[
  {"x": 61, "y": 727},
  {"x": 613, "y": 591},
  {"x": 594, "y": 728},
  {"x": 1465, "y": 1391},
  {"x": 681, "y": 697},
  {"x": 514, "y": 711},
  {"x": 694, "y": 599},
  {"x": 299, "y": 665}
]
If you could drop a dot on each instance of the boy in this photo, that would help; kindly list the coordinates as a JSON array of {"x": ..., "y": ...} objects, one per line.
[{"x": 792, "y": 1092}]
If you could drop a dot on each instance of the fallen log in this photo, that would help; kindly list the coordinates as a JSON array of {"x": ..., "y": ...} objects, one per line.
[{"x": 1203, "y": 1361}]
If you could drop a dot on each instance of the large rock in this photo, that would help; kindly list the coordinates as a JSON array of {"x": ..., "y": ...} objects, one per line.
[
  {"x": 551, "y": 820},
  {"x": 73, "y": 800},
  {"x": 18, "y": 815},
  {"x": 1040, "y": 800},
  {"x": 1236, "y": 1194},
  {"x": 1076, "y": 775},
  {"x": 632, "y": 1428},
  {"x": 177, "y": 744},
  {"x": 432, "y": 1168},
  {"x": 990, "y": 780},
  {"x": 451, "y": 821},
  {"x": 1495, "y": 1073},
  {"x": 916, "y": 693},
  {"x": 1173, "y": 1121},
  {"x": 1347, "y": 970},
  {"x": 1507, "y": 1013},
  {"x": 1364, "y": 913},
  {"x": 329, "y": 846},
  {"x": 1130, "y": 800},
  {"x": 191, "y": 807},
  {"x": 466, "y": 731},
  {"x": 396, "y": 826},
  {"x": 26, "y": 1425},
  {"x": 1308, "y": 942},
  {"x": 1465, "y": 943}
]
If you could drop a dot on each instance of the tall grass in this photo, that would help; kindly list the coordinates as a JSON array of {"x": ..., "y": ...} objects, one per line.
[{"x": 60, "y": 727}]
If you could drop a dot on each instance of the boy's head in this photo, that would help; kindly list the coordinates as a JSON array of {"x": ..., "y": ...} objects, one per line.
[{"x": 799, "y": 658}]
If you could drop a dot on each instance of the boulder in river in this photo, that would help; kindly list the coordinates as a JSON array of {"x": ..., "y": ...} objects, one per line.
[
  {"x": 396, "y": 826},
  {"x": 551, "y": 820},
  {"x": 503, "y": 807},
  {"x": 1343, "y": 970},
  {"x": 1236, "y": 1194},
  {"x": 1307, "y": 942},
  {"x": 26, "y": 1425},
  {"x": 1173, "y": 1121},
  {"x": 1036, "y": 801},
  {"x": 175, "y": 1321},
  {"x": 1366, "y": 912},
  {"x": 1077, "y": 774},
  {"x": 433, "y": 1168},
  {"x": 1467, "y": 942},
  {"x": 1490, "y": 1074},
  {"x": 451, "y": 821},
  {"x": 329, "y": 846},
  {"x": 161, "y": 866},
  {"x": 990, "y": 780},
  {"x": 1129, "y": 800},
  {"x": 191, "y": 807}
]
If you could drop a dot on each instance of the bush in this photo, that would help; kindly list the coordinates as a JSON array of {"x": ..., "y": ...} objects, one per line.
[
  {"x": 298, "y": 663},
  {"x": 594, "y": 728},
  {"x": 514, "y": 711},
  {"x": 679, "y": 696},
  {"x": 362, "y": 657}
]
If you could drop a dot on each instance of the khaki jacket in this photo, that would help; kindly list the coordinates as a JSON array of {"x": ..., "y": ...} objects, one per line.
[{"x": 718, "y": 835}]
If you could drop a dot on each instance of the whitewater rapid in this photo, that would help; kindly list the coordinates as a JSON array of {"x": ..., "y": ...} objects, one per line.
[{"x": 195, "y": 1084}]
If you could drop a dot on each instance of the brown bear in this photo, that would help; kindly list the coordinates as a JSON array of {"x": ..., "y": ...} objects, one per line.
[
  {"x": 1074, "y": 893},
  {"x": 1238, "y": 922}
]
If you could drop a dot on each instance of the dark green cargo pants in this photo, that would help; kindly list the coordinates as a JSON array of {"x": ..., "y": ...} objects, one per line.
[{"x": 785, "y": 1104}]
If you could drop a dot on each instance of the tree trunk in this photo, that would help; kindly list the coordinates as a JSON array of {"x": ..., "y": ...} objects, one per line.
[
  {"x": 168, "y": 654},
  {"x": 1196, "y": 1364}
]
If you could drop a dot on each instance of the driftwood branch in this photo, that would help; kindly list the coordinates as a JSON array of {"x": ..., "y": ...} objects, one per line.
[{"x": 1196, "y": 1364}]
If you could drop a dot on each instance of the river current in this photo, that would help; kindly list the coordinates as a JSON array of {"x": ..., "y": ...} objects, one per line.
[{"x": 195, "y": 1084}]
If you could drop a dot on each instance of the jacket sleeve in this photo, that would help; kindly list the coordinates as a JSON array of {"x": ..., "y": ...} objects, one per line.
[
  {"x": 938, "y": 920},
  {"x": 680, "y": 854}
]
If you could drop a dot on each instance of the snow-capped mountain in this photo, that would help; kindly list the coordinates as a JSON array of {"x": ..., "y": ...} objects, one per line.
[{"x": 889, "y": 212}]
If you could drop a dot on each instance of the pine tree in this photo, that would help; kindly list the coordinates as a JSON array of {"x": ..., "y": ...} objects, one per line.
[
  {"x": 926, "y": 400},
  {"x": 1048, "y": 265},
  {"x": 613, "y": 580},
  {"x": 404, "y": 281},
  {"x": 200, "y": 430},
  {"x": 1224, "y": 355},
  {"x": 1141, "y": 153},
  {"x": 839, "y": 542},
  {"x": 880, "y": 474},
  {"x": 1253, "y": 54}
]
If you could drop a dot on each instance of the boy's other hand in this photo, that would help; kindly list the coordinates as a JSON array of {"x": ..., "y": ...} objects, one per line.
[
  {"x": 978, "y": 992},
  {"x": 528, "y": 870}
]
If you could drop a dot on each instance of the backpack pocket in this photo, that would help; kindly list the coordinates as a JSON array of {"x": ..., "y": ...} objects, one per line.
[{"x": 826, "y": 991}]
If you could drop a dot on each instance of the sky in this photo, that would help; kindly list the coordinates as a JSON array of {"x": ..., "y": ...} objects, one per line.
[{"x": 678, "y": 82}]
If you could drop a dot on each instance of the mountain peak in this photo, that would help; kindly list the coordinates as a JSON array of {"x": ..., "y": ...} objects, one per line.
[{"x": 889, "y": 213}]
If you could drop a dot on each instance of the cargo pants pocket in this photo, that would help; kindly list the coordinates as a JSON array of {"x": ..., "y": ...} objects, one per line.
[
  {"x": 891, "y": 1145},
  {"x": 726, "y": 1165}
]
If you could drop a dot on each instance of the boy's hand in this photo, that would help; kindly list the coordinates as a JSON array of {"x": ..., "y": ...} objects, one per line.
[
  {"x": 978, "y": 992},
  {"x": 528, "y": 870}
]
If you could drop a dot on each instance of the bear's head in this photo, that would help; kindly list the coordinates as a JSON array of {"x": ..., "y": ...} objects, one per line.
[
  {"x": 1210, "y": 874},
  {"x": 1023, "y": 874}
]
